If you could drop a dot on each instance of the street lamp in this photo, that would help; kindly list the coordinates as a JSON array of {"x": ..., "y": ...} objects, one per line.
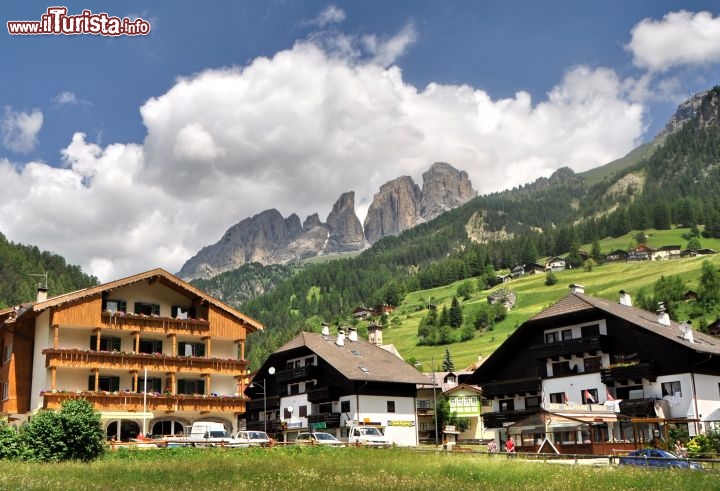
[{"x": 271, "y": 371}]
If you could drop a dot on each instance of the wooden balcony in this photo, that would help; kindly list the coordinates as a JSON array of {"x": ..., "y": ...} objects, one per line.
[
  {"x": 636, "y": 372},
  {"x": 323, "y": 394},
  {"x": 259, "y": 403},
  {"x": 569, "y": 347},
  {"x": 136, "y": 322},
  {"x": 296, "y": 374},
  {"x": 527, "y": 386},
  {"x": 133, "y": 402},
  {"x": 139, "y": 361}
]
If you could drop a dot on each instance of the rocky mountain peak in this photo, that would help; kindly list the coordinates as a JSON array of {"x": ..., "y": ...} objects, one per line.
[
  {"x": 345, "y": 229},
  {"x": 444, "y": 188},
  {"x": 394, "y": 208},
  {"x": 703, "y": 107}
]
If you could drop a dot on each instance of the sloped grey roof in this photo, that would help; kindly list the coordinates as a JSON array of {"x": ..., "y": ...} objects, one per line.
[
  {"x": 350, "y": 359},
  {"x": 576, "y": 302}
]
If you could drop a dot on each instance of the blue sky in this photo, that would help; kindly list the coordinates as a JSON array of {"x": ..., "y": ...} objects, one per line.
[{"x": 150, "y": 147}]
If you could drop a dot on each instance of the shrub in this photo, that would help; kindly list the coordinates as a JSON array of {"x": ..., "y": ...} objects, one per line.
[
  {"x": 10, "y": 444},
  {"x": 73, "y": 433},
  {"x": 550, "y": 279}
]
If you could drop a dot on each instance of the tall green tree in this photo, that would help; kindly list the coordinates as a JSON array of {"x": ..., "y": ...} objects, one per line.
[
  {"x": 455, "y": 315},
  {"x": 709, "y": 288},
  {"x": 447, "y": 364}
]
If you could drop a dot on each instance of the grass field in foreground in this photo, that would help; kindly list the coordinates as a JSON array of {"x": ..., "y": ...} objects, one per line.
[{"x": 299, "y": 468}]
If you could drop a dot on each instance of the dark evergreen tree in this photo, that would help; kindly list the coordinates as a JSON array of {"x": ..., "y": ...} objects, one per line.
[
  {"x": 455, "y": 315},
  {"x": 447, "y": 364}
]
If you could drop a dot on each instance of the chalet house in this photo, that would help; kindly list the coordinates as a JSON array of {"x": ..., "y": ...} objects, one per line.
[
  {"x": 589, "y": 375},
  {"x": 466, "y": 401},
  {"x": 617, "y": 255},
  {"x": 556, "y": 264},
  {"x": 362, "y": 312},
  {"x": 150, "y": 352},
  {"x": 640, "y": 252},
  {"x": 533, "y": 268},
  {"x": 517, "y": 271},
  {"x": 321, "y": 381},
  {"x": 666, "y": 252}
]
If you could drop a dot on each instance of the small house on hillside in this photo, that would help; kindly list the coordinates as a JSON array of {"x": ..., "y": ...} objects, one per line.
[
  {"x": 617, "y": 255},
  {"x": 640, "y": 252},
  {"x": 556, "y": 264},
  {"x": 666, "y": 252}
]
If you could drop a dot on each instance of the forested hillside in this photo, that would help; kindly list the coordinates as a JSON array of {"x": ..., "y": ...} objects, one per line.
[
  {"x": 19, "y": 262},
  {"x": 675, "y": 184}
]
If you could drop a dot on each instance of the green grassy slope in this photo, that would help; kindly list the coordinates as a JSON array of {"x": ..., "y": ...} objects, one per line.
[{"x": 532, "y": 296}]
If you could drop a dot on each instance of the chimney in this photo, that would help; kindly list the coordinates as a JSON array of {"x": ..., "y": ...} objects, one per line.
[
  {"x": 352, "y": 334},
  {"x": 340, "y": 338},
  {"x": 663, "y": 317},
  {"x": 577, "y": 288},
  {"x": 325, "y": 330},
  {"x": 42, "y": 293},
  {"x": 625, "y": 298}
]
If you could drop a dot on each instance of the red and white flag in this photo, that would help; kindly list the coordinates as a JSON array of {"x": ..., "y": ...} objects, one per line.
[
  {"x": 588, "y": 396},
  {"x": 609, "y": 396}
]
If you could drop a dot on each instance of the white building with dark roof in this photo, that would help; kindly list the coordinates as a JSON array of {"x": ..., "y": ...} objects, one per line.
[
  {"x": 594, "y": 375},
  {"x": 326, "y": 382}
]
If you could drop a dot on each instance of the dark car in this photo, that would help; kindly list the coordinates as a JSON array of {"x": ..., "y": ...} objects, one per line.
[{"x": 652, "y": 457}]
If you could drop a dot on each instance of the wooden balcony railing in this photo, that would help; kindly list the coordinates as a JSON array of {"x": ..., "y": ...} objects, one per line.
[
  {"x": 569, "y": 347},
  {"x": 133, "y": 402},
  {"x": 154, "y": 323},
  {"x": 526, "y": 386},
  {"x": 624, "y": 374},
  {"x": 298, "y": 373},
  {"x": 139, "y": 361}
]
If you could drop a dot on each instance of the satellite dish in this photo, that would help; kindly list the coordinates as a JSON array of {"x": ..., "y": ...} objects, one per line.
[
  {"x": 290, "y": 409},
  {"x": 271, "y": 370}
]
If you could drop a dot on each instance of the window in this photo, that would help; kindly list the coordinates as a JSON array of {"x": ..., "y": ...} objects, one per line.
[
  {"x": 182, "y": 312},
  {"x": 671, "y": 389},
  {"x": 309, "y": 361},
  {"x": 507, "y": 405},
  {"x": 561, "y": 368},
  {"x": 532, "y": 402},
  {"x": 107, "y": 343},
  {"x": 567, "y": 334},
  {"x": 591, "y": 330},
  {"x": 294, "y": 389},
  {"x": 302, "y": 411},
  {"x": 190, "y": 349},
  {"x": 473, "y": 401},
  {"x": 8, "y": 353},
  {"x": 153, "y": 384},
  {"x": 593, "y": 363},
  {"x": 423, "y": 404},
  {"x": 557, "y": 398},
  {"x": 450, "y": 379},
  {"x": 186, "y": 386},
  {"x": 107, "y": 383},
  {"x": 150, "y": 346},
  {"x": 5, "y": 390},
  {"x": 145, "y": 308},
  {"x": 114, "y": 305},
  {"x": 287, "y": 414},
  {"x": 325, "y": 407},
  {"x": 589, "y": 396},
  {"x": 345, "y": 406},
  {"x": 391, "y": 406},
  {"x": 551, "y": 337}
]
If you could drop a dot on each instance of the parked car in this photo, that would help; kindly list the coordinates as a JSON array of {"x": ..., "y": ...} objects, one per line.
[
  {"x": 652, "y": 457},
  {"x": 317, "y": 438},
  {"x": 247, "y": 438}
]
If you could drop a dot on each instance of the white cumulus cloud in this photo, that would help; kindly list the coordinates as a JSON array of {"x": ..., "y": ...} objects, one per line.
[
  {"x": 19, "y": 129},
  {"x": 679, "y": 38},
  {"x": 293, "y": 132}
]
